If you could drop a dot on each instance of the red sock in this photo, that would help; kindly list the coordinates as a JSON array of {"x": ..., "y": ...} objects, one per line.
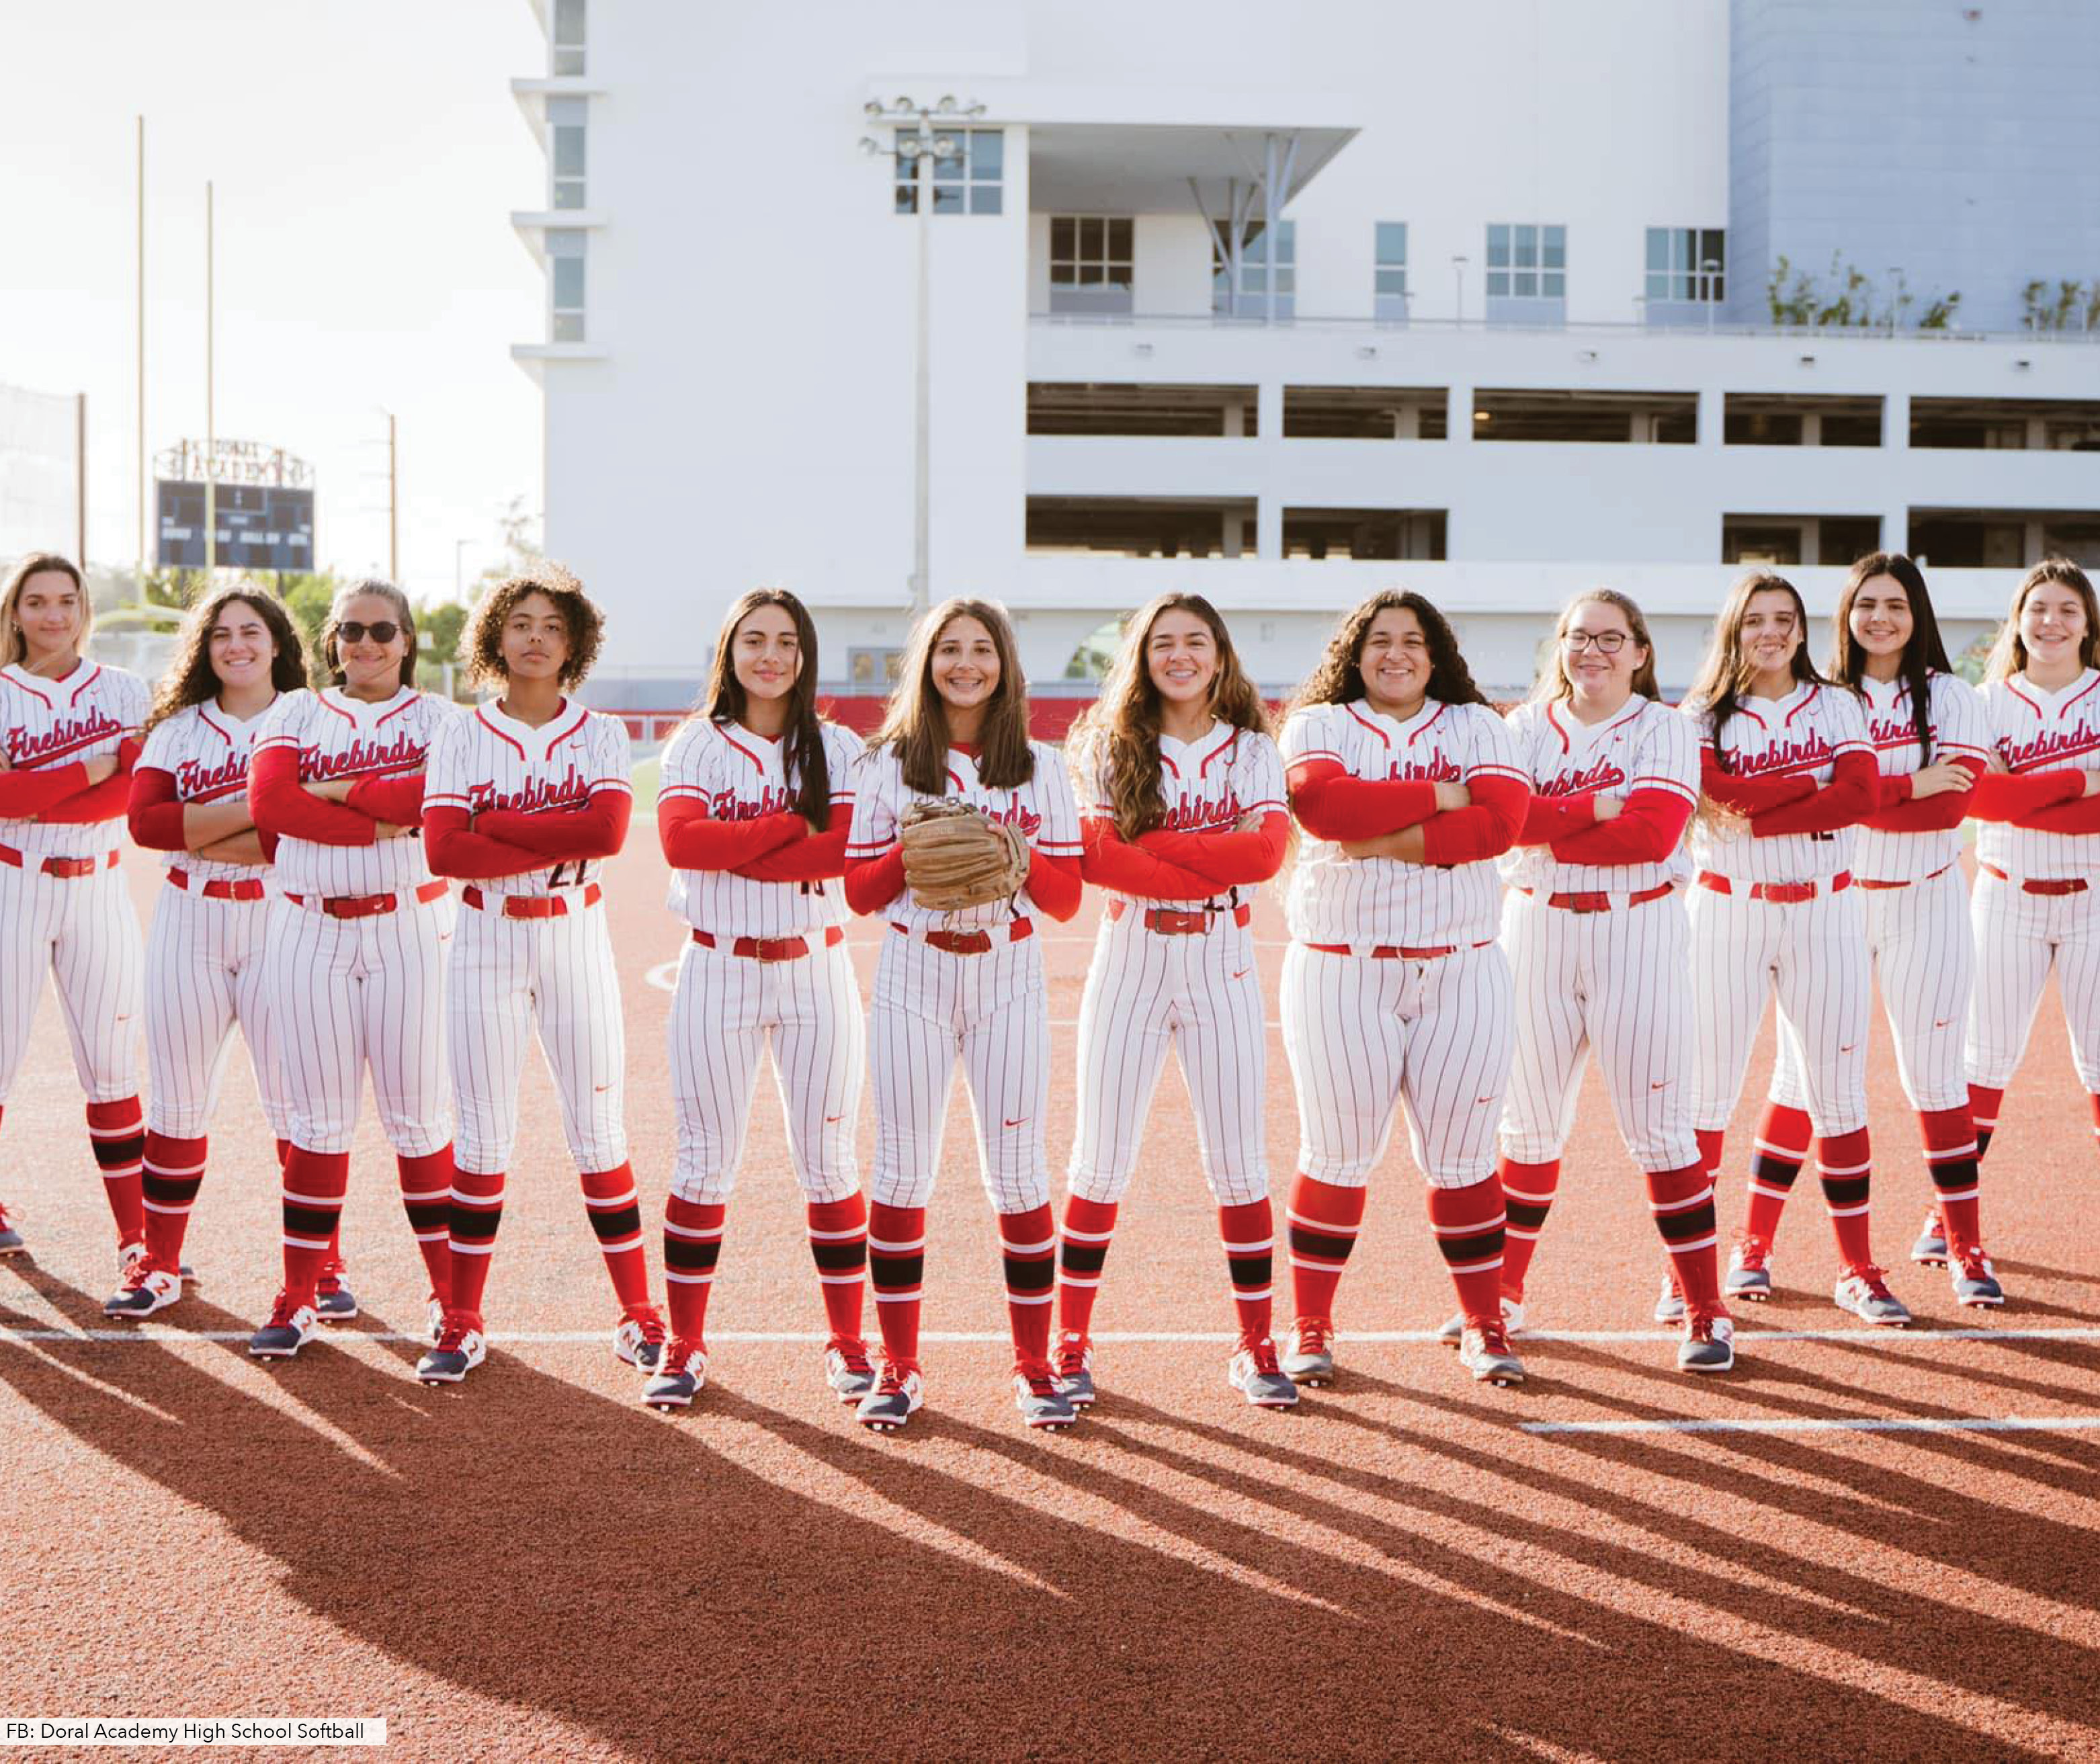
[
  {"x": 1527, "y": 1191},
  {"x": 1710, "y": 1141},
  {"x": 314, "y": 1183},
  {"x": 1322, "y": 1219},
  {"x": 1682, "y": 1203},
  {"x": 838, "y": 1241},
  {"x": 896, "y": 1270},
  {"x": 1781, "y": 1148},
  {"x": 615, "y": 1207},
  {"x": 1844, "y": 1161},
  {"x": 1248, "y": 1232},
  {"x": 1081, "y": 1250},
  {"x": 426, "y": 1193},
  {"x": 117, "y": 1131},
  {"x": 692, "y": 1245},
  {"x": 1028, "y": 1252},
  {"x": 477, "y": 1209},
  {"x": 1984, "y": 1101},
  {"x": 284, "y": 1152},
  {"x": 1468, "y": 1223},
  {"x": 1950, "y": 1160},
  {"x": 168, "y": 1189}
]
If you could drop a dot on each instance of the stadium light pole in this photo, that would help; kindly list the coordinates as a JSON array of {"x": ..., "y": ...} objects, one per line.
[
  {"x": 210, "y": 430},
  {"x": 145, "y": 556}
]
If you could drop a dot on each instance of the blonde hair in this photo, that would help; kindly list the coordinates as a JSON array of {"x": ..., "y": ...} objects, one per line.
[
  {"x": 14, "y": 645},
  {"x": 1553, "y": 682}
]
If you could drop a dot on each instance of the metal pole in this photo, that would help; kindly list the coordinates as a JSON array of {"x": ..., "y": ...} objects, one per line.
[
  {"x": 145, "y": 556},
  {"x": 210, "y": 429},
  {"x": 922, "y": 451},
  {"x": 1711, "y": 271},
  {"x": 393, "y": 505},
  {"x": 80, "y": 476}
]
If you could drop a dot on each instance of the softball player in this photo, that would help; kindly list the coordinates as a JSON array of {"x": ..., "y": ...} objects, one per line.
[
  {"x": 353, "y": 970},
  {"x": 204, "y": 956},
  {"x": 69, "y": 737},
  {"x": 525, "y": 798},
  {"x": 1184, "y": 817},
  {"x": 754, "y": 813},
  {"x": 1597, "y": 937},
  {"x": 1929, "y": 737},
  {"x": 1394, "y": 988},
  {"x": 2037, "y": 900},
  {"x": 1774, "y": 909},
  {"x": 967, "y": 984}
]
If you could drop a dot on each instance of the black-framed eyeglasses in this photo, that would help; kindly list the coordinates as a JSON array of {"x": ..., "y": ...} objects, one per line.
[
  {"x": 384, "y": 631},
  {"x": 1607, "y": 642}
]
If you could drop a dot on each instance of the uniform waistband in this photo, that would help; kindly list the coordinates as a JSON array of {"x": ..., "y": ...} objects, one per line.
[
  {"x": 1398, "y": 952},
  {"x": 247, "y": 889},
  {"x": 64, "y": 869},
  {"x": 366, "y": 906},
  {"x": 1870, "y": 882},
  {"x": 2036, "y": 884},
  {"x": 770, "y": 949},
  {"x": 529, "y": 905},
  {"x": 1604, "y": 901},
  {"x": 1180, "y": 922},
  {"x": 1778, "y": 893},
  {"x": 971, "y": 942}
]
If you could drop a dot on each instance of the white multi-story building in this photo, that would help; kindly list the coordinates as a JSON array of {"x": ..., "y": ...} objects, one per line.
[{"x": 1497, "y": 301}]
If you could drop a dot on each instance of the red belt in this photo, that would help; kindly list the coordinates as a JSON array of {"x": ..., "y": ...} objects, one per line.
[
  {"x": 65, "y": 869},
  {"x": 1400, "y": 952},
  {"x": 364, "y": 905},
  {"x": 1600, "y": 903},
  {"x": 530, "y": 906},
  {"x": 1170, "y": 922},
  {"x": 1866, "y": 882},
  {"x": 246, "y": 890},
  {"x": 967, "y": 942},
  {"x": 1778, "y": 893},
  {"x": 2066, "y": 884},
  {"x": 770, "y": 948}
]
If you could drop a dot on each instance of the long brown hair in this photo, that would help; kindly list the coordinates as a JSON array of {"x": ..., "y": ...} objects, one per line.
[
  {"x": 583, "y": 620},
  {"x": 1117, "y": 736},
  {"x": 1553, "y": 682},
  {"x": 2008, "y": 654},
  {"x": 1339, "y": 677},
  {"x": 404, "y": 616},
  {"x": 802, "y": 745},
  {"x": 1724, "y": 676},
  {"x": 189, "y": 679},
  {"x": 915, "y": 724},
  {"x": 13, "y": 646},
  {"x": 1923, "y": 656}
]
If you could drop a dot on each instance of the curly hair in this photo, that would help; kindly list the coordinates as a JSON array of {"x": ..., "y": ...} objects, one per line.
[
  {"x": 804, "y": 748},
  {"x": 1725, "y": 676},
  {"x": 481, "y": 640},
  {"x": 1117, "y": 736},
  {"x": 2008, "y": 654},
  {"x": 189, "y": 679},
  {"x": 13, "y": 646},
  {"x": 915, "y": 723},
  {"x": 1339, "y": 678}
]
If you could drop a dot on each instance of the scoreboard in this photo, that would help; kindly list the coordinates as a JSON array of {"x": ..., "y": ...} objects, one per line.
[{"x": 261, "y": 526}]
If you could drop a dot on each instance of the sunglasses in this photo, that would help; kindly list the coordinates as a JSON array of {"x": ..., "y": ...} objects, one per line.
[{"x": 385, "y": 631}]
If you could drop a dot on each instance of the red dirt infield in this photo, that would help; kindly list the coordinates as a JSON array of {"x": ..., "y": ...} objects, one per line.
[{"x": 1860, "y": 1543}]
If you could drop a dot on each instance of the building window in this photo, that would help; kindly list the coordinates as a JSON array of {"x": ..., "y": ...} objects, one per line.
[
  {"x": 1091, "y": 263},
  {"x": 1389, "y": 284},
  {"x": 1527, "y": 262},
  {"x": 1269, "y": 278},
  {"x": 565, "y": 284},
  {"x": 568, "y": 38},
  {"x": 969, "y": 179},
  {"x": 566, "y": 119},
  {"x": 1686, "y": 263},
  {"x": 871, "y": 671}
]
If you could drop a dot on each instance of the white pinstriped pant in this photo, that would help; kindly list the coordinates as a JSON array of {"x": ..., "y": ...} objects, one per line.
[
  {"x": 1434, "y": 1036},
  {"x": 1201, "y": 995},
  {"x": 1814, "y": 953},
  {"x": 204, "y": 973},
  {"x": 931, "y": 1007},
  {"x": 1618, "y": 981},
  {"x": 81, "y": 932},
  {"x": 2019, "y": 937},
  {"x": 1919, "y": 942},
  {"x": 349, "y": 993},
  {"x": 507, "y": 977},
  {"x": 726, "y": 1008}
]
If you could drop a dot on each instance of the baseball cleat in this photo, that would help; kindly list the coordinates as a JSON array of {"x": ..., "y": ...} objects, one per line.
[
  {"x": 11, "y": 1240},
  {"x": 1860, "y": 1290},
  {"x": 458, "y": 1351},
  {"x": 1930, "y": 1248},
  {"x": 1749, "y": 1276},
  {"x": 1975, "y": 1283},
  {"x": 1041, "y": 1403},
  {"x": 1308, "y": 1357},
  {"x": 1669, "y": 1306},
  {"x": 681, "y": 1377},
  {"x": 847, "y": 1371},
  {"x": 1075, "y": 1369},
  {"x": 1709, "y": 1343},
  {"x": 289, "y": 1328},
  {"x": 1253, "y": 1373},
  {"x": 145, "y": 1290},
  {"x": 1454, "y": 1326},
  {"x": 333, "y": 1301},
  {"x": 131, "y": 1255},
  {"x": 891, "y": 1403},
  {"x": 1484, "y": 1352},
  {"x": 638, "y": 1338},
  {"x": 434, "y": 1319}
]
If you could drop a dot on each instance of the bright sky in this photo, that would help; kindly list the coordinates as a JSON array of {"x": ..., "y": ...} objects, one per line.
[{"x": 366, "y": 156}]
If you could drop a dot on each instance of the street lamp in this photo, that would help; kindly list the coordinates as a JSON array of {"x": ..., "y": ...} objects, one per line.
[{"x": 1458, "y": 270}]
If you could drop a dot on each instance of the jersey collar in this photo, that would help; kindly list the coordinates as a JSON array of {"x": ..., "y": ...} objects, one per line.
[
  {"x": 2063, "y": 695},
  {"x": 365, "y": 710}
]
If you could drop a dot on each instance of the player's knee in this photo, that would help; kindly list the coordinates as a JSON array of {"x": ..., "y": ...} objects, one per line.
[
  {"x": 900, "y": 1191},
  {"x": 1530, "y": 1148},
  {"x": 1104, "y": 1188},
  {"x": 1237, "y": 1187},
  {"x": 1337, "y": 1172},
  {"x": 1458, "y": 1175},
  {"x": 607, "y": 1151},
  {"x": 821, "y": 1187}
]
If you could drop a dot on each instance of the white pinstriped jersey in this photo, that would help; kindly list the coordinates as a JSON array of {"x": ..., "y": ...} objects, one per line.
[
  {"x": 2033, "y": 731},
  {"x": 45, "y": 722},
  {"x": 1334, "y": 899},
  {"x": 1646, "y": 745},
  {"x": 338, "y": 736},
  {"x": 487, "y": 760},
  {"x": 1207, "y": 784},
  {"x": 741, "y": 777},
  {"x": 1043, "y": 808},
  {"x": 1959, "y": 732},
  {"x": 1802, "y": 735},
  {"x": 205, "y": 751}
]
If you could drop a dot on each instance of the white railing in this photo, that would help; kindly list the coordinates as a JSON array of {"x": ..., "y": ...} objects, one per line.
[{"x": 1357, "y": 324}]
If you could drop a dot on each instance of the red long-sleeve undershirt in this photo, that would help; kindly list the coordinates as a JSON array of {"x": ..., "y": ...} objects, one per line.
[
  {"x": 1109, "y": 861},
  {"x": 1229, "y": 859},
  {"x": 284, "y": 809},
  {"x": 2016, "y": 797},
  {"x": 1485, "y": 828},
  {"x": 693, "y": 840},
  {"x": 818, "y": 858},
  {"x": 396, "y": 798},
  {"x": 1750, "y": 795},
  {"x": 154, "y": 813},
  {"x": 873, "y": 882},
  {"x": 1547, "y": 818},
  {"x": 1055, "y": 885},
  {"x": 1647, "y": 830},
  {"x": 1900, "y": 812},
  {"x": 597, "y": 829},
  {"x": 1332, "y": 803},
  {"x": 105, "y": 801},
  {"x": 28, "y": 794},
  {"x": 1853, "y": 793},
  {"x": 453, "y": 848}
]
